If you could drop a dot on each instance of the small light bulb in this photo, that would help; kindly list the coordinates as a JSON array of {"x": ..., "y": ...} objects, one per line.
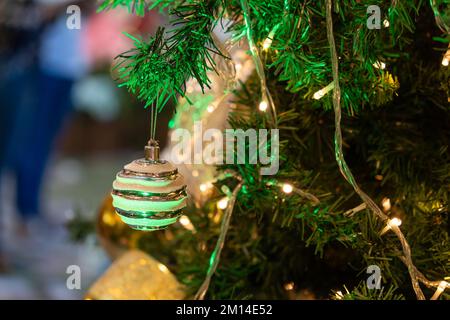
[
  {"x": 445, "y": 62},
  {"x": 386, "y": 23},
  {"x": 210, "y": 108},
  {"x": 386, "y": 203},
  {"x": 263, "y": 106},
  {"x": 289, "y": 286},
  {"x": 395, "y": 222},
  {"x": 205, "y": 186},
  {"x": 186, "y": 222},
  {"x": 380, "y": 65},
  {"x": 267, "y": 43},
  {"x": 238, "y": 67},
  {"x": 318, "y": 95},
  {"x": 222, "y": 204},
  {"x": 287, "y": 188},
  {"x": 163, "y": 268},
  {"x": 339, "y": 295},
  {"x": 439, "y": 290}
]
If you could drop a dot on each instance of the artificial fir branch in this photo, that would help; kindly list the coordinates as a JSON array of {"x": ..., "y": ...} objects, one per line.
[
  {"x": 138, "y": 6},
  {"x": 157, "y": 70},
  {"x": 361, "y": 292}
]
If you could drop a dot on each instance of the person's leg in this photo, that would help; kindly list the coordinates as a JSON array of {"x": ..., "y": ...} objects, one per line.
[
  {"x": 21, "y": 136},
  {"x": 15, "y": 87},
  {"x": 5, "y": 121},
  {"x": 52, "y": 107}
]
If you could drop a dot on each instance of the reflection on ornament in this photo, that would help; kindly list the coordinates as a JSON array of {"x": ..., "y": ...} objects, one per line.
[
  {"x": 136, "y": 276},
  {"x": 149, "y": 194}
]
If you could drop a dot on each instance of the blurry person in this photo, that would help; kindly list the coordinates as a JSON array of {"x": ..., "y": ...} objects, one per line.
[
  {"x": 41, "y": 112},
  {"x": 20, "y": 23}
]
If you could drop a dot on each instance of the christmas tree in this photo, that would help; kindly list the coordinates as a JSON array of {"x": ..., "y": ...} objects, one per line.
[{"x": 359, "y": 92}]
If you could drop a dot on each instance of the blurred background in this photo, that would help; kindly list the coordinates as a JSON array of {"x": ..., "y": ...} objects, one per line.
[{"x": 65, "y": 130}]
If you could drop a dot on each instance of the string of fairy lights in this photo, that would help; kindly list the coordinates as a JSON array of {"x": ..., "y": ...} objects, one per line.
[
  {"x": 266, "y": 97},
  {"x": 391, "y": 224},
  {"x": 227, "y": 203}
]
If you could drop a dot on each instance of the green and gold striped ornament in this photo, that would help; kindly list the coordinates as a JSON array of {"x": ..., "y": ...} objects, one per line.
[{"x": 149, "y": 194}]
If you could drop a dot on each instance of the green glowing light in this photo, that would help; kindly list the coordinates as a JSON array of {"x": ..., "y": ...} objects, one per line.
[
  {"x": 145, "y": 222},
  {"x": 144, "y": 205}
]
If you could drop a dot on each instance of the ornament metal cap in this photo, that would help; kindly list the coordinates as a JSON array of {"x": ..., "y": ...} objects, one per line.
[{"x": 152, "y": 150}]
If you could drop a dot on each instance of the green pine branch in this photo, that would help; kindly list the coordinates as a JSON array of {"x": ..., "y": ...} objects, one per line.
[
  {"x": 137, "y": 6},
  {"x": 361, "y": 292},
  {"x": 157, "y": 69}
]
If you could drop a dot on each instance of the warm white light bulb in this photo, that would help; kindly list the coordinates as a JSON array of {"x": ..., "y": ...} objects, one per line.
[
  {"x": 380, "y": 65},
  {"x": 289, "y": 286},
  {"x": 445, "y": 62},
  {"x": 439, "y": 290},
  {"x": 395, "y": 222},
  {"x": 319, "y": 94},
  {"x": 287, "y": 188},
  {"x": 222, "y": 204},
  {"x": 263, "y": 105},
  {"x": 267, "y": 43},
  {"x": 339, "y": 295},
  {"x": 186, "y": 222},
  {"x": 163, "y": 268},
  {"x": 210, "y": 108},
  {"x": 386, "y": 23},
  {"x": 205, "y": 186},
  {"x": 386, "y": 203}
]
